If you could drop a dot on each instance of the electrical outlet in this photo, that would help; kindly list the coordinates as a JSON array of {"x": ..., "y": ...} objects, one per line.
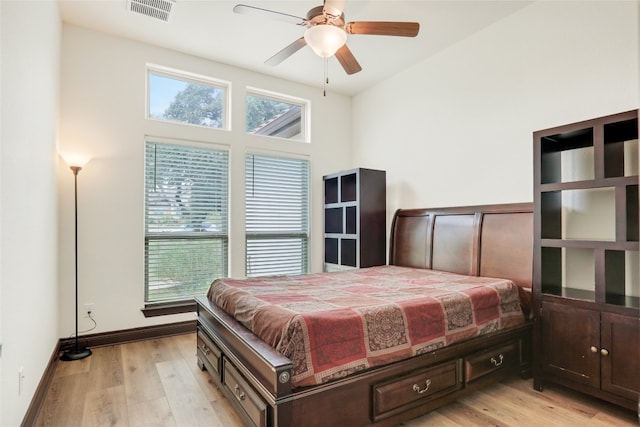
[{"x": 89, "y": 308}]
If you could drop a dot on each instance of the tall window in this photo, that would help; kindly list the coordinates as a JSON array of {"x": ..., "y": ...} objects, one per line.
[
  {"x": 186, "y": 217},
  {"x": 277, "y": 215}
]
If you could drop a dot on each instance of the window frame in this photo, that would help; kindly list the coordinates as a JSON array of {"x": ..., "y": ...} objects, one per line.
[
  {"x": 305, "y": 113},
  {"x": 187, "y": 304},
  {"x": 307, "y": 237},
  {"x": 193, "y": 78}
]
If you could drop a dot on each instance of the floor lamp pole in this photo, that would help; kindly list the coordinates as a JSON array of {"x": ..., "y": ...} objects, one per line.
[{"x": 76, "y": 353}]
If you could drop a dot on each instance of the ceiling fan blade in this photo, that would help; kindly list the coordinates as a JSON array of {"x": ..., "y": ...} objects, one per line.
[
  {"x": 334, "y": 7},
  {"x": 347, "y": 60},
  {"x": 402, "y": 29},
  {"x": 286, "y": 52},
  {"x": 243, "y": 9}
]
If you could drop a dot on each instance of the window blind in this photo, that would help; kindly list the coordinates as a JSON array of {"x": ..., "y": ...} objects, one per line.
[
  {"x": 277, "y": 215},
  {"x": 186, "y": 220}
]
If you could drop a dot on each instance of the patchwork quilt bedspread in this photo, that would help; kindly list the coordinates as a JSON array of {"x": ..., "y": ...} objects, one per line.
[{"x": 333, "y": 324}]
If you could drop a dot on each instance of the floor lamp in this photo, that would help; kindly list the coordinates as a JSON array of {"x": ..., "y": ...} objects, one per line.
[{"x": 76, "y": 353}]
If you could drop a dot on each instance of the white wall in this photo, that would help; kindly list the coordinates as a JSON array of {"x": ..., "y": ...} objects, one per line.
[
  {"x": 28, "y": 258},
  {"x": 103, "y": 114},
  {"x": 457, "y": 128}
]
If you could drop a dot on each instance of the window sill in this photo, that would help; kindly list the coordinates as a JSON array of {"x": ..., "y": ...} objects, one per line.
[{"x": 164, "y": 309}]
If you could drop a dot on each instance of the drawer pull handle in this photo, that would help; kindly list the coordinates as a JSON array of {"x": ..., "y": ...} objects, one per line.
[
  {"x": 416, "y": 387},
  {"x": 239, "y": 393},
  {"x": 497, "y": 362},
  {"x": 206, "y": 350}
]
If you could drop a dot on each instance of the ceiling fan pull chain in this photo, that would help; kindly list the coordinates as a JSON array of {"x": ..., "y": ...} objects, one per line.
[{"x": 326, "y": 76}]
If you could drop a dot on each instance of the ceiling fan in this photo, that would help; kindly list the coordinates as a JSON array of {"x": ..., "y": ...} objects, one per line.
[{"x": 327, "y": 31}]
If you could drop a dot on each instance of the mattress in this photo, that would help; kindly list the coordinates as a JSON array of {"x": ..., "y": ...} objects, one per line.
[{"x": 333, "y": 324}]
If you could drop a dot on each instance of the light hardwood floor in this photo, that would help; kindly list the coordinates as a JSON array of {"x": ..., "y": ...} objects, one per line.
[{"x": 157, "y": 383}]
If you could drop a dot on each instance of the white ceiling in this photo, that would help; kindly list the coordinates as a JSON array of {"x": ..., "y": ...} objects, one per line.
[{"x": 210, "y": 29}]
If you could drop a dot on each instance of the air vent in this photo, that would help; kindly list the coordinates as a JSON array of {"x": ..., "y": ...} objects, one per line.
[{"x": 159, "y": 9}]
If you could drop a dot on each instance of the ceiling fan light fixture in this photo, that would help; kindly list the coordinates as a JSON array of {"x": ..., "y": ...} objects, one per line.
[{"x": 325, "y": 39}]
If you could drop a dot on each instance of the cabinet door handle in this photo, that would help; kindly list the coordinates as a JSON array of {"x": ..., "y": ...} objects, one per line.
[
  {"x": 497, "y": 362},
  {"x": 594, "y": 349},
  {"x": 604, "y": 352},
  {"x": 416, "y": 387},
  {"x": 239, "y": 393}
]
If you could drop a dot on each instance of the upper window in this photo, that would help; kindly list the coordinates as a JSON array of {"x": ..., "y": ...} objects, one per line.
[
  {"x": 277, "y": 215},
  {"x": 184, "y": 98},
  {"x": 186, "y": 217},
  {"x": 276, "y": 115}
]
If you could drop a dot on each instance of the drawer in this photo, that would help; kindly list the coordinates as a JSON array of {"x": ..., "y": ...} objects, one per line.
[
  {"x": 501, "y": 357},
  {"x": 417, "y": 388},
  {"x": 208, "y": 352},
  {"x": 250, "y": 402}
]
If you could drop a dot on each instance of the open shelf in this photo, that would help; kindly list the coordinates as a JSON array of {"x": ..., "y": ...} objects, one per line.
[
  {"x": 588, "y": 210},
  {"x": 569, "y": 270},
  {"x": 333, "y": 220},
  {"x": 621, "y": 148},
  {"x": 349, "y": 187},
  {"x": 622, "y": 271},
  {"x": 351, "y": 220},
  {"x": 586, "y": 267},
  {"x": 589, "y": 214},
  {"x": 348, "y": 254},
  {"x": 632, "y": 213},
  {"x": 567, "y": 157},
  {"x": 331, "y": 191},
  {"x": 331, "y": 250}
]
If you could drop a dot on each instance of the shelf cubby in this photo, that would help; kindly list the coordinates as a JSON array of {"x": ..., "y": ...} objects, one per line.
[
  {"x": 621, "y": 148},
  {"x": 632, "y": 211},
  {"x": 333, "y": 220},
  {"x": 348, "y": 252},
  {"x": 567, "y": 157},
  {"x": 331, "y": 190},
  {"x": 351, "y": 220},
  {"x": 348, "y": 187},
  {"x": 551, "y": 214},
  {"x": 331, "y": 250},
  {"x": 569, "y": 271},
  {"x": 589, "y": 214},
  {"x": 622, "y": 280}
]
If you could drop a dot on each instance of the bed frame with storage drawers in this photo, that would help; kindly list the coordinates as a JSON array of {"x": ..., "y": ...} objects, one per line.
[{"x": 489, "y": 240}]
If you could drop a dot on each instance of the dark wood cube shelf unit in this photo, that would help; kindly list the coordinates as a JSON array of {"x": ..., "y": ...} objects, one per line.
[
  {"x": 354, "y": 219},
  {"x": 586, "y": 261}
]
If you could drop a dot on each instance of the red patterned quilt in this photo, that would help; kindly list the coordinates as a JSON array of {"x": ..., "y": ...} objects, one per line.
[{"x": 333, "y": 324}]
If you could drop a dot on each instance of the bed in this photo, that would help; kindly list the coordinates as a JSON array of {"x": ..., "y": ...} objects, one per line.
[{"x": 282, "y": 360}]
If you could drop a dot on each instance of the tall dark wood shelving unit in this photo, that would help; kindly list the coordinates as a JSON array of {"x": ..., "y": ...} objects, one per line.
[
  {"x": 355, "y": 218},
  {"x": 586, "y": 285}
]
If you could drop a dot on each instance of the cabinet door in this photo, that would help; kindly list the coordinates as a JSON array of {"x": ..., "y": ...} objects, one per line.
[
  {"x": 621, "y": 355},
  {"x": 571, "y": 343}
]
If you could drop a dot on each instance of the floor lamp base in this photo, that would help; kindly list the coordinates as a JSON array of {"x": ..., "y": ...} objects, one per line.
[{"x": 74, "y": 354}]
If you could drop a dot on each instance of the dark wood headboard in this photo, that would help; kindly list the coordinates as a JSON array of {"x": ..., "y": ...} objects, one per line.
[{"x": 487, "y": 240}]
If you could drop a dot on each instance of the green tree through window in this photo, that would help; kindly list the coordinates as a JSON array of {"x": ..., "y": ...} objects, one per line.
[
  {"x": 184, "y": 101},
  {"x": 197, "y": 105},
  {"x": 186, "y": 215},
  {"x": 262, "y": 110}
]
